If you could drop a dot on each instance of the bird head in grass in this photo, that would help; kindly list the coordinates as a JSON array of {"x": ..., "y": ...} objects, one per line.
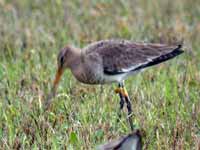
[{"x": 64, "y": 60}]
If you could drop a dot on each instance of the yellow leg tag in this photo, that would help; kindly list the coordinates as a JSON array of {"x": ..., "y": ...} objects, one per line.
[
  {"x": 118, "y": 90},
  {"x": 122, "y": 91}
]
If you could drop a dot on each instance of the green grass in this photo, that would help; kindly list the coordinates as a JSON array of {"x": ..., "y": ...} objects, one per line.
[{"x": 165, "y": 97}]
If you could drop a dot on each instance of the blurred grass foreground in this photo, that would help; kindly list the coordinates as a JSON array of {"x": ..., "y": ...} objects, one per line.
[{"x": 166, "y": 97}]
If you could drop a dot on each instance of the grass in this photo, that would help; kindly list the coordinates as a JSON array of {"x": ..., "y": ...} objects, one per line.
[{"x": 165, "y": 98}]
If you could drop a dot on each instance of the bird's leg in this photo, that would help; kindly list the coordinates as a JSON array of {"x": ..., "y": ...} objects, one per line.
[
  {"x": 129, "y": 108},
  {"x": 119, "y": 91},
  {"x": 128, "y": 105}
]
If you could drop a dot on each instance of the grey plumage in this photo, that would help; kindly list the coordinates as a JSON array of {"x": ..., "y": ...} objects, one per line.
[
  {"x": 113, "y": 60},
  {"x": 132, "y": 141},
  {"x": 121, "y": 56}
]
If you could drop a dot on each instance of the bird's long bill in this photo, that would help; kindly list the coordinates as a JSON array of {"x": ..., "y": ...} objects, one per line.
[
  {"x": 57, "y": 78},
  {"x": 53, "y": 90}
]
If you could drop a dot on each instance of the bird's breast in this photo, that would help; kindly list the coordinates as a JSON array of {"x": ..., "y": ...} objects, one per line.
[{"x": 88, "y": 74}]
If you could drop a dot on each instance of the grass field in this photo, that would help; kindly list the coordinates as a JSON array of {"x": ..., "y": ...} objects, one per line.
[{"x": 165, "y": 98}]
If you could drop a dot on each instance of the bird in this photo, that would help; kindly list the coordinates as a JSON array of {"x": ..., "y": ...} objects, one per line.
[
  {"x": 113, "y": 61},
  {"x": 132, "y": 141}
]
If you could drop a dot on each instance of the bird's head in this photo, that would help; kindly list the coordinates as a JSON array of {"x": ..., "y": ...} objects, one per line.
[{"x": 63, "y": 62}]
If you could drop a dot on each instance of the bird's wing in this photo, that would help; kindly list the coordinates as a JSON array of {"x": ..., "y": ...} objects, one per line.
[
  {"x": 130, "y": 140},
  {"x": 111, "y": 145},
  {"x": 125, "y": 56}
]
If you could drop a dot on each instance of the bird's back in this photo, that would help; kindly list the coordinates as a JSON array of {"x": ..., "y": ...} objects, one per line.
[{"x": 122, "y": 56}]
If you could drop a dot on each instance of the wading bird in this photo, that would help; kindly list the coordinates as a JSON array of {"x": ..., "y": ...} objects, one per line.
[{"x": 110, "y": 61}]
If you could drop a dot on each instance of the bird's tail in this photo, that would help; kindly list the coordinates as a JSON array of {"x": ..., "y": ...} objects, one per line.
[{"x": 177, "y": 51}]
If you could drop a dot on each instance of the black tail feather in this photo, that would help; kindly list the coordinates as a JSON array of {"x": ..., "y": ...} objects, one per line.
[{"x": 162, "y": 58}]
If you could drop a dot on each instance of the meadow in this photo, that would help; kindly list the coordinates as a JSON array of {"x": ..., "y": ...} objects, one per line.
[{"x": 165, "y": 98}]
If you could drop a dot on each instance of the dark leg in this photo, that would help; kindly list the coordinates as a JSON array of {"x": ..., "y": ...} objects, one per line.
[
  {"x": 129, "y": 107},
  {"x": 124, "y": 95},
  {"x": 121, "y": 103},
  {"x": 121, "y": 98}
]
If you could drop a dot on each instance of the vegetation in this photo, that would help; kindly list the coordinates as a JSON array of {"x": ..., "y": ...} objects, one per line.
[{"x": 165, "y": 98}]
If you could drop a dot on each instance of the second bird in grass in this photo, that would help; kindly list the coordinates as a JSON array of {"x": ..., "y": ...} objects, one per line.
[
  {"x": 110, "y": 61},
  {"x": 131, "y": 141}
]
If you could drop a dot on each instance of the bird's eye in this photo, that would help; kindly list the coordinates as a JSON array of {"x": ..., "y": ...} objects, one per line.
[{"x": 62, "y": 61}]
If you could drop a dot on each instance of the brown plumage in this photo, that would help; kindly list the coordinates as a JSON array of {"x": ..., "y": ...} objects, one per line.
[
  {"x": 120, "y": 56},
  {"x": 112, "y": 61}
]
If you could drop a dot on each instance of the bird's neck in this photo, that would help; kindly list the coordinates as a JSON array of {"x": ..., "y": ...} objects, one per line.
[{"x": 75, "y": 58}]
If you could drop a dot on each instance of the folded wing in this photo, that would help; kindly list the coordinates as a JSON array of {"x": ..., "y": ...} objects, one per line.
[{"x": 124, "y": 56}]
